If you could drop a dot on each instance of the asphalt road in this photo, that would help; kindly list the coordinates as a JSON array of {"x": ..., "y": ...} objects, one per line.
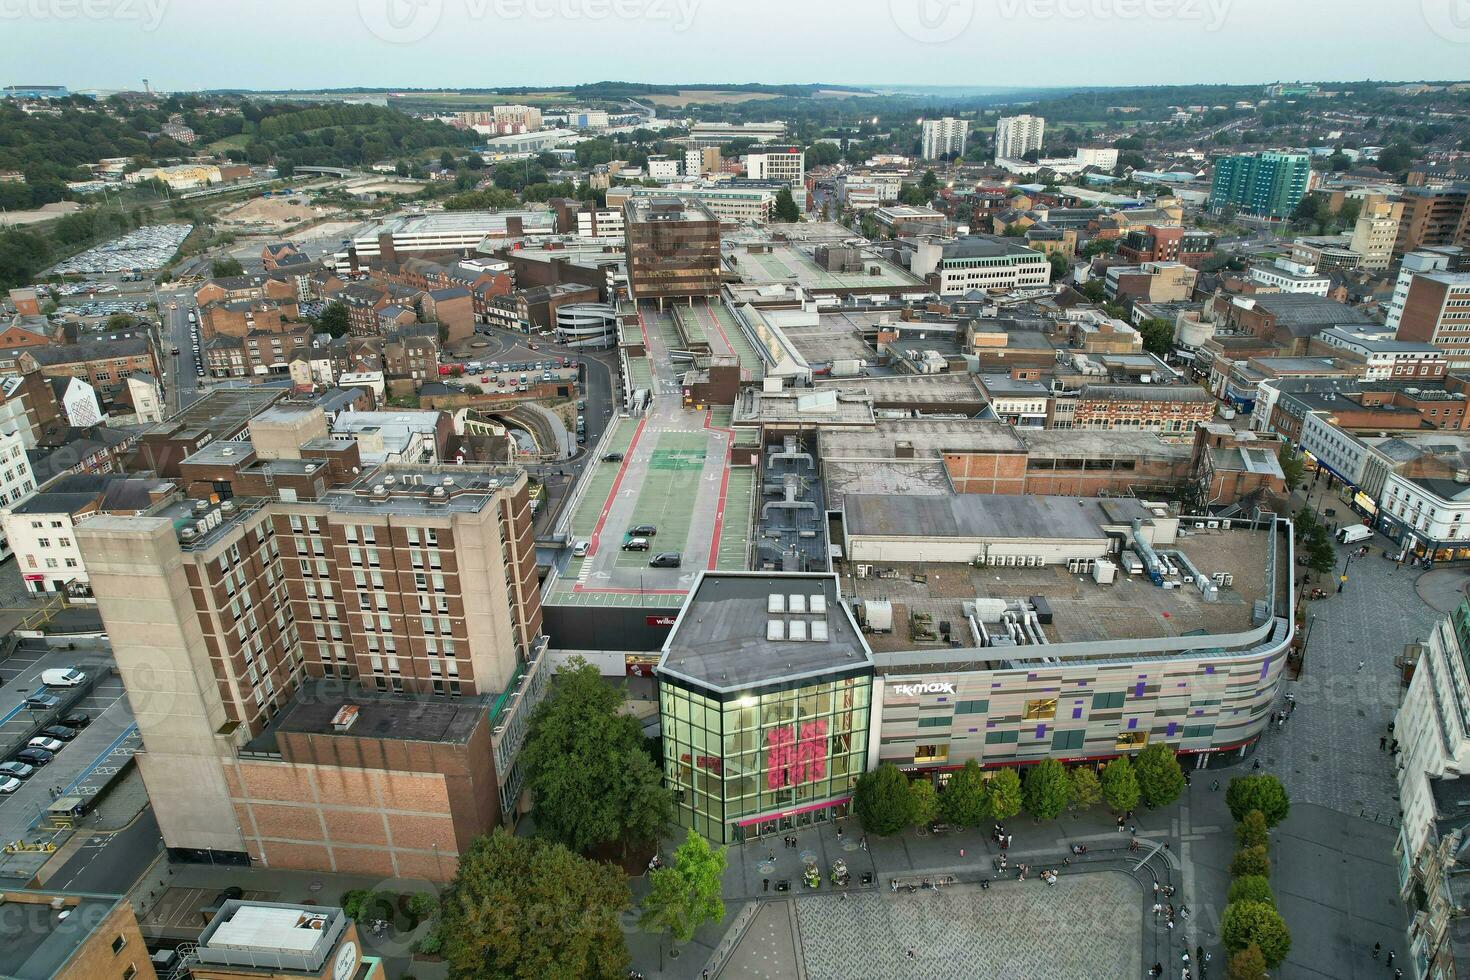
[
  {"x": 183, "y": 383},
  {"x": 110, "y": 864}
]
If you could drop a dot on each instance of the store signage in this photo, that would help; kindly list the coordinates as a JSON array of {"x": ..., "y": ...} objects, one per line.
[
  {"x": 659, "y": 620},
  {"x": 929, "y": 687}
]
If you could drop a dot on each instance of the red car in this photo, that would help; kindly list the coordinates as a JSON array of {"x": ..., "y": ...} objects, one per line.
[{"x": 533, "y": 346}]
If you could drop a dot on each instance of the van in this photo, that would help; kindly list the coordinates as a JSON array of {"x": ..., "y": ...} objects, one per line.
[
  {"x": 62, "y": 677},
  {"x": 1355, "y": 532}
]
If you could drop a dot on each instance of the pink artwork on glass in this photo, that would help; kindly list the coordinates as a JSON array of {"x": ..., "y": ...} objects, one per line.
[{"x": 789, "y": 762}]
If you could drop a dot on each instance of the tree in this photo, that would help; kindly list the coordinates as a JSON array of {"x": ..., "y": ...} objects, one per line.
[
  {"x": 1099, "y": 246},
  {"x": 1250, "y": 861},
  {"x": 401, "y": 168},
  {"x": 446, "y": 160},
  {"x": 1251, "y": 888},
  {"x": 1061, "y": 265},
  {"x": 913, "y": 195},
  {"x": 1005, "y": 794},
  {"x": 929, "y": 183},
  {"x": 333, "y": 319},
  {"x": 1047, "y": 789},
  {"x": 526, "y": 907},
  {"x": 1255, "y": 924},
  {"x": 964, "y": 801},
  {"x": 592, "y": 779},
  {"x": 1119, "y": 785},
  {"x": 785, "y": 209},
  {"x": 686, "y": 895},
  {"x": 1263, "y": 792},
  {"x": 1158, "y": 335},
  {"x": 1396, "y": 157},
  {"x": 1247, "y": 964},
  {"x": 1160, "y": 780},
  {"x": 1251, "y": 831},
  {"x": 1292, "y": 467},
  {"x": 225, "y": 266},
  {"x": 121, "y": 321},
  {"x": 1085, "y": 788},
  {"x": 925, "y": 803},
  {"x": 882, "y": 800}
]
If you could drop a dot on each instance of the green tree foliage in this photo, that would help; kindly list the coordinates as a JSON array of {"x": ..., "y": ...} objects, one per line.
[
  {"x": 1314, "y": 541},
  {"x": 1086, "y": 788},
  {"x": 1256, "y": 924},
  {"x": 1292, "y": 467},
  {"x": 1262, "y": 792},
  {"x": 1247, "y": 964},
  {"x": 525, "y": 907},
  {"x": 1119, "y": 785},
  {"x": 925, "y": 803},
  {"x": 489, "y": 199},
  {"x": 1158, "y": 335},
  {"x": 1099, "y": 246},
  {"x": 1061, "y": 266},
  {"x": 1160, "y": 780},
  {"x": 333, "y": 319},
  {"x": 1047, "y": 789},
  {"x": 1251, "y": 831},
  {"x": 914, "y": 196},
  {"x": 226, "y": 266},
  {"x": 1005, "y": 794},
  {"x": 1251, "y": 888},
  {"x": 823, "y": 154},
  {"x": 1396, "y": 157},
  {"x": 929, "y": 183},
  {"x": 964, "y": 800},
  {"x": 1250, "y": 861},
  {"x": 686, "y": 895},
  {"x": 785, "y": 209},
  {"x": 592, "y": 779},
  {"x": 23, "y": 253},
  {"x": 882, "y": 800}
]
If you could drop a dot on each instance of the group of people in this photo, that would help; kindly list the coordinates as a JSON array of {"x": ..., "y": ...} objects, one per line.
[{"x": 1000, "y": 837}]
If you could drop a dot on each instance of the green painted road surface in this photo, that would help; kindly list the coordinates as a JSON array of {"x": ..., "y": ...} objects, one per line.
[
  {"x": 735, "y": 532},
  {"x": 666, "y": 499}
]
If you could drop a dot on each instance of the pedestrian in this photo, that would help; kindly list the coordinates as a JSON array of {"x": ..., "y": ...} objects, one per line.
[
  {"x": 1133, "y": 829},
  {"x": 1158, "y": 969},
  {"x": 1281, "y": 723},
  {"x": 1215, "y": 786},
  {"x": 962, "y": 852},
  {"x": 1273, "y": 717},
  {"x": 1257, "y": 764},
  {"x": 1383, "y": 743},
  {"x": 1183, "y": 911},
  {"x": 1185, "y": 957},
  {"x": 1156, "y": 887},
  {"x": 1377, "y": 948},
  {"x": 863, "y": 842},
  {"x": 1120, "y": 825},
  {"x": 1009, "y": 838},
  {"x": 1199, "y": 955},
  {"x": 1362, "y": 664},
  {"x": 771, "y": 855},
  {"x": 911, "y": 952},
  {"x": 765, "y": 884},
  {"x": 1391, "y": 955}
]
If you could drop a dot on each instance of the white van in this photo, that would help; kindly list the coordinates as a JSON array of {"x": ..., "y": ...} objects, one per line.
[
  {"x": 62, "y": 677},
  {"x": 1355, "y": 532}
]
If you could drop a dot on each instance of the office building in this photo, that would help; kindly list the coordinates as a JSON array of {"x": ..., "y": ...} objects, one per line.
[
  {"x": 703, "y": 134},
  {"x": 978, "y": 262},
  {"x": 944, "y": 138},
  {"x": 1433, "y": 217},
  {"x": 1267, "y": 184},
  {"x": 731, "y": 203},
  {"x": 329, "y": 670},
  {"x": 1016, "y": 136},
  {"x": 443, "y": 235},
  {"x": 1375, "y": 233},
  {"x": 1287, "y": 276},
  {"x": 57, "y": 935},
  {"x": 1435, "y": 309},
  {"x": 249, "y": 940},
  {"x": 673, "y": 249}
]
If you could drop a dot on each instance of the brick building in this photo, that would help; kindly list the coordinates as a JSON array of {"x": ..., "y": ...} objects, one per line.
[{"x": 1169, "y": 409}]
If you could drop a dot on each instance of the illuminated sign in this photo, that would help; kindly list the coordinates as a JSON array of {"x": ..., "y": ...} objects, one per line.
[
  {"x": 793, "y": 760},
  {"x": 929, "y": 687},
  {"x": 659, "y": 620}
]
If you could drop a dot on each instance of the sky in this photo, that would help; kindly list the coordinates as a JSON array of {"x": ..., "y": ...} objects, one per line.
[{"x": 306, "y": 44}]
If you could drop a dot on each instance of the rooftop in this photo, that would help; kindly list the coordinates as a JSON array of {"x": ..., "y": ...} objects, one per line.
[
  {"x": 272, "y": 936},
  {"x": 318, "y": 710},
  {"x": 402, "y": 488},
  {"x": 989, "y": 516},
  {"x": 786, "y": 263},
  {"x": 739, "y": 629},
  {"x": 38, "y": 940},
  {"x": 920, "y": 438},
  {"x": 222, "y": 413}
]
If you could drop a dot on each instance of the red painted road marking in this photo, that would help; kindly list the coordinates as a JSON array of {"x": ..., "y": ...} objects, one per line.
[
  {"x": 714, "y": 545},
  {"x": 709, "y": 310},
  {"x": 613, "y": 493}
]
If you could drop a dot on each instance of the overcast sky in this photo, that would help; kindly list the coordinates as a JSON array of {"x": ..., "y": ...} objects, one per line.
[{"x": 192, "y": 44}]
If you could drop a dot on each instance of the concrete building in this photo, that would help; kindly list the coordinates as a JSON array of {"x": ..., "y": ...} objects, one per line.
[
  {"x": 1434, "y": 309},
  {"x": 58, "y": 935},
  {"x": 1169, "y": 409},
  {"x": 1376, "y": 232},
  {"x": 17, "y": 482},
  {"x": 334, "y": 679},
  {"x": 1433, "y": 217},
  {"x": 673, "y": 249},
  {"x": 1290, "y": 277},
  {"x": 786, "y": 164},
  {"x": 703, "y": 134},
  {"x": 943, "y": 138},
  {"x": 1383, "y": 358},
  {"x": 1150, "y": 282},
  {"x": 1161, "y": 243},
  {"x": 1015, "y": 136},
  {"x": 440, "y": 235},
  {"x": 977, "y": 262}
]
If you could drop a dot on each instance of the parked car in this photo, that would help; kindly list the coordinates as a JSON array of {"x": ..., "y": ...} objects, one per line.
[
  {"x": 579, "y": 550},
  {"x": 60, "y": 733},
  {"x": 612, "y": 458},
  {"x": 49, "y": 744},
  {"x": 8, "y": 786},
  {"x": 34, "y": 757},
  {"x": 44, "y": 702},
  {"x": 635, "y": 544},
  {"x": 77, "y": 719},
  {"x": 643, "y": 531},
  {"x": 16, "y": 770},
  {"x": 62, "y": 677},
  {"x": 665, "y": 559}
]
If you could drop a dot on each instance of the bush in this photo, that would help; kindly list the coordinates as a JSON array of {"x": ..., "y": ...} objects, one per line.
[
  {"x": 1257, "y": 924},
  {"x": 1263, "y": 792},
  {"x": 1251, "y": 831},
  {"x": 1119, "y": 785},
  {"x": 1251, "y": 888},
  {"x": 429, "y": 944},
  {"x": 421, "y": 906},
  {"x": 1160, "y": 780},
  {"x": 1248, "y": 964},
  {"x": 1250, "y": 861}
]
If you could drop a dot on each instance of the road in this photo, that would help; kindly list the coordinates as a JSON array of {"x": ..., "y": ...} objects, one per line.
[
  {"x": 109, "y": 864},
  {"x": 183, "y": 388}
]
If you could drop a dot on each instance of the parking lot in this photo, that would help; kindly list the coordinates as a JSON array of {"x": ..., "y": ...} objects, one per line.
[
  {"x": 84, "y": 764},
  {"x": 147, "y": 248}
]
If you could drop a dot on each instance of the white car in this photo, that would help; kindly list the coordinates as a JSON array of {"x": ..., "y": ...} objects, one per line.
[
  {"x": 62, "y": 677},
  {"x": 49, "y": 744},
  {"x": 8, "y": 786},
  {"x": 579, "y": 550}
]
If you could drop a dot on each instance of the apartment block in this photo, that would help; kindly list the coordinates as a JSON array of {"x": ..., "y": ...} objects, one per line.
[
  {"x": 1015, "y": 136},
  {"x": 1267, "y": 184},
  {"x": 941, "y": 138}
]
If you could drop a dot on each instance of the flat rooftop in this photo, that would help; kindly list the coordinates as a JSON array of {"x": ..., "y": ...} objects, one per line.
[
  {"x": 405, "y": 488},
  {"x": 37, "y": 940},
  {"x": 802, "y": 406},
  {"x": 783, "y": 263},
  {"x": 222, "y": 412},
  {"x": 945, "y": 388},
  {"x": 249, "y": 936},
  {"x": 396, "y": 717},
  {"x": 928, "y": 439},
  {"x": 989, "y": 516},
  {"x": 1131, "y": 607},
  {"x": 886, "y": 476},
  {"x": 739, "y": 629}
]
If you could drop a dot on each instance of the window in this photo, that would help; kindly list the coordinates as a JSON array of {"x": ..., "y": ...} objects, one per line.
[
  {"x": 937, "y": 722},
  {"x": 1040, "y": 708},
  {"x": 1067, "y": 740},
  {"x": 1198, "y": 731},
  {"x": 130, "y": 972},
  {"x": 972, "y": 707},
  {"x": 999, "y": 738},
  {"x": 931, "y": 753},
  {"x": 1111, "y": 700},
  {"x": 118, "y": 944},
  {"x": 1131, "y": 740}
]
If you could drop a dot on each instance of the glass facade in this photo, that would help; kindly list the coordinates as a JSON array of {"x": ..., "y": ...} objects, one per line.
[{"x": 761, "y": 762}]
